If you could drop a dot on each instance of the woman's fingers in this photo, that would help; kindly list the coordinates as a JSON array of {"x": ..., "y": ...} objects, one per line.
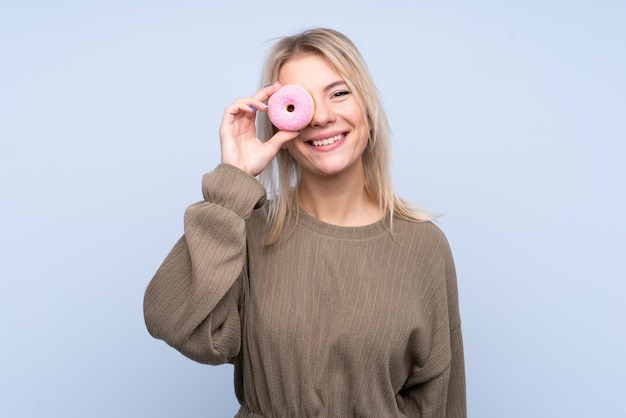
[
  {"x": 257, "y": 100},
  {"x": 265, "y": 93},
  {"x": 281, "y": 138},
  {"x": 255, "y": 105},
  {"x": 239, "y": 144}
]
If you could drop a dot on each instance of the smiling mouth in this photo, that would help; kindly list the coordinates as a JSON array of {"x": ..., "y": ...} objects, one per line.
[{"x": 327, "y": 141}]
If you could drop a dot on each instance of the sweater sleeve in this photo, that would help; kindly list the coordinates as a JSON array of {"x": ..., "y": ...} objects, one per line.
[
  {"x": 456, "y": 392},
  {"x": 443, "y": 392},
  {"x": 192, "y": 302}
]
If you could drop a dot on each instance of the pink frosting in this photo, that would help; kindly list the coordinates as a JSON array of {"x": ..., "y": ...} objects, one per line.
[{"x": 290, "y": 108}]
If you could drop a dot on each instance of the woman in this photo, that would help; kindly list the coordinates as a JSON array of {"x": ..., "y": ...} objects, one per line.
[{"x": 334, "y": 298}]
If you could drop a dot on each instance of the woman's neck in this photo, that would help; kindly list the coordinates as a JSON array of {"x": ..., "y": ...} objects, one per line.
[{"x": 338, "y": 200}]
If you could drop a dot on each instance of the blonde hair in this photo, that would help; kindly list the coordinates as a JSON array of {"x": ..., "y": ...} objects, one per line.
[{"x": 282, "y": 176}]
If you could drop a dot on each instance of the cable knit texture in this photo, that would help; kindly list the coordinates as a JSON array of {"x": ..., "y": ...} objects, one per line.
[{"x": 332, "y": 322}]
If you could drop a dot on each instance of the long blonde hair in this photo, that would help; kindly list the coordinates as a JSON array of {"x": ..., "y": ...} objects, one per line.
[{"x": 282, "y": 176}]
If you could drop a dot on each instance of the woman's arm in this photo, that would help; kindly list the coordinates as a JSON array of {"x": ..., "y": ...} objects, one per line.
[
  {"x": 437, "y": 389},
  {"x": 192, "y": 302}
]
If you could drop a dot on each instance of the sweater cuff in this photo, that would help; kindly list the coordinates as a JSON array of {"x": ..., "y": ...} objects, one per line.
[{"x": 233, "y": 189}]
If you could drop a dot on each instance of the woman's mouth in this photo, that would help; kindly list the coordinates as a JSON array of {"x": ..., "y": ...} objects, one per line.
[{"x": 327, "y": 141}]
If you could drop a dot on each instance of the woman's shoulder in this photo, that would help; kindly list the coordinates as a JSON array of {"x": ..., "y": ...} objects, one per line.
[{"x": 419, "y": 233}]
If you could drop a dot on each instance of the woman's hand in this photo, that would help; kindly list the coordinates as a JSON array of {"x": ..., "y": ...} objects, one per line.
[{"x": 239, "y": 143}]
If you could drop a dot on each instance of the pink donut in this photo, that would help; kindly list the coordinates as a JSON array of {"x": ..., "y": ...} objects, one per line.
[{"x": 290, "y": 108}]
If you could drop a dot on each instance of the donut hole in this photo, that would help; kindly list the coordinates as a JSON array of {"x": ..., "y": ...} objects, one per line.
[{"x": 290, "y": 107}]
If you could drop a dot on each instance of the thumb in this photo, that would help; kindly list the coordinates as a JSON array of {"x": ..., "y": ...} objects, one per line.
[{"x": 281, "y": 138}]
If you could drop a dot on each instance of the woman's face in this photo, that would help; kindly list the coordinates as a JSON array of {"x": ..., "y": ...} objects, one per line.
[{"x": 334, "y": 141}]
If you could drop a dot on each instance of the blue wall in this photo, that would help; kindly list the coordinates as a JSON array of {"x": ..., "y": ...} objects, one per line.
[{"x": 508, "y": 119}]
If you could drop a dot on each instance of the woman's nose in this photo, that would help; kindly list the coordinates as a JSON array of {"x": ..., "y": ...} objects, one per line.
[{"x": 323, "y": 114}]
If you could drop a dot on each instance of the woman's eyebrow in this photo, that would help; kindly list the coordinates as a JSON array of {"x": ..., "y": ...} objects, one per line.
[{"x": 334, "y": 84}]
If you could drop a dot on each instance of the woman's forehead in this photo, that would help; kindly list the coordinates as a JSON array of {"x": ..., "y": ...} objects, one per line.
[{"x": 313, "y": 70}]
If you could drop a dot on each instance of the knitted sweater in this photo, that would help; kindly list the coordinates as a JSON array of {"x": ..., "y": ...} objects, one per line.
[{"x": 331, "y": 322}]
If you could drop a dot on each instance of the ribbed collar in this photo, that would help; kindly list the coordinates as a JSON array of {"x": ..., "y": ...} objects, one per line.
[{"x": 343, "y": 232}]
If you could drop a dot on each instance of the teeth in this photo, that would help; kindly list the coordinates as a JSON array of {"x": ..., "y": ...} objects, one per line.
[{"x": 327, "y": 141}]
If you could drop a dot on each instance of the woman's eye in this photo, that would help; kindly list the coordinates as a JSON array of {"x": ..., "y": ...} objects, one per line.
[{"x": 341, "y": 93}]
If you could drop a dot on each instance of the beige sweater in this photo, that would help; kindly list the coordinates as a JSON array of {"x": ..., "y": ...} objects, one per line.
[{"x": 333, "y": 322}]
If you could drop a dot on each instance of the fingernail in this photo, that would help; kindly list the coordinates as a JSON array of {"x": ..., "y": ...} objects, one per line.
[
  {"x": 267, "y": 85},
  {"x": 264, "y": 105},
  {"x": 252, "y": 108}
]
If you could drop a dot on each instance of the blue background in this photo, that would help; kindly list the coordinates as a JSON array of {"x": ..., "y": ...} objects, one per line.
[{"x": 508, "y": 119}]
